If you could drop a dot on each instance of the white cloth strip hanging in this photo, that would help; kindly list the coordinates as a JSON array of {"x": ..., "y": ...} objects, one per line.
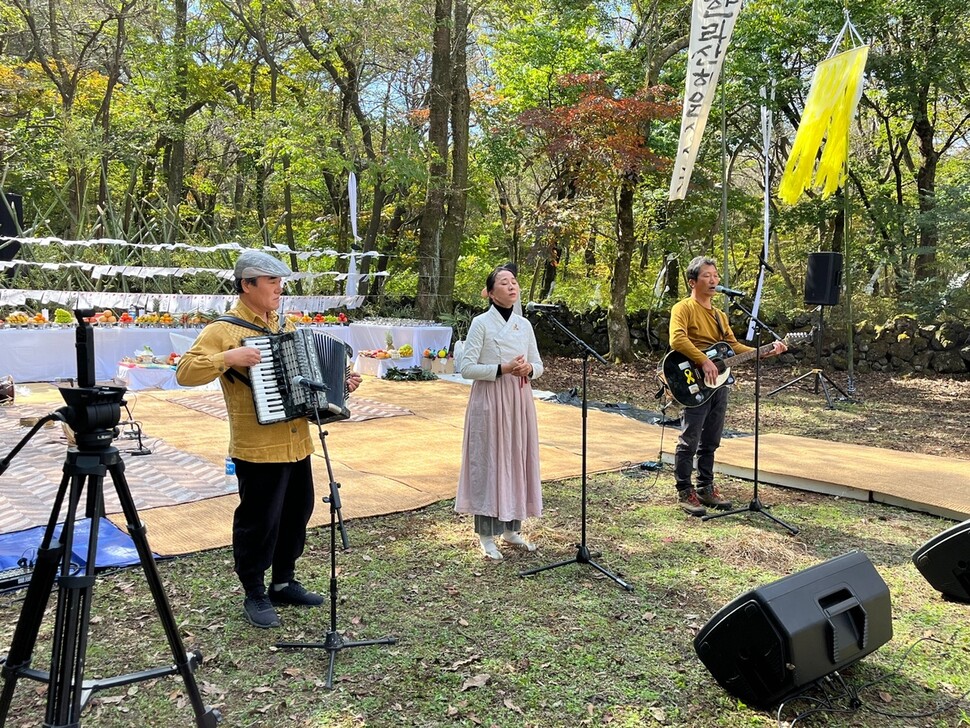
[
  {"x": 171, "y": 302},
  {"x": 99, "y": 271},
  {"x": 300, "y": 254}
]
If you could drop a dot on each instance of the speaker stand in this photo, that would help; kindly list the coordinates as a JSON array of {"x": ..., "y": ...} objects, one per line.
[{"x": 817, "y": 375}]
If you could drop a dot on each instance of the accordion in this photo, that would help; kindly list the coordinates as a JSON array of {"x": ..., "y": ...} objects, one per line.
[{"x": 301, "y": 373}]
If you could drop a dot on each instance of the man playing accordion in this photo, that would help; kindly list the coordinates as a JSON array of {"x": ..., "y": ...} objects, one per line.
[{"x": 273, "y": 460}]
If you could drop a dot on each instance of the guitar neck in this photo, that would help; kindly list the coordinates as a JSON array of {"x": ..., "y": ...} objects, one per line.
[{"x": 741, "y": 358}]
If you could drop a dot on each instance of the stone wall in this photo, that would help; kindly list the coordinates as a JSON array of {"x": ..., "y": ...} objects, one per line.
[{"x": 901, "y": 345}]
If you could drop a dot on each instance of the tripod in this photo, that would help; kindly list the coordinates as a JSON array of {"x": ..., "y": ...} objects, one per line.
[
  {"x": 818, "y": 375},
  {"x": 333, "y": 641},
  {"x": 93, "y": 413},
  {"x": 755, "y": 506},
  {"x": 583, "y": 555}
]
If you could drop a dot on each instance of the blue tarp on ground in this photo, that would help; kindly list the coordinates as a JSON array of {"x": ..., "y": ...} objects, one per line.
[{"x": 115, "y": 547}]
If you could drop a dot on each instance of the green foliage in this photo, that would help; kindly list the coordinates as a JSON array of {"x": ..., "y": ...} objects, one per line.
[
  {"x": 266, "y": 109},
  {"x": 410, "y": 374}
]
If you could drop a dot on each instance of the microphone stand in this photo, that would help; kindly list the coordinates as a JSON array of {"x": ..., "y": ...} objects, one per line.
[
  {"x": 313, "y": 389},
  {"x": 583, "y": 555},
  {"x": 755, "y": 506},
  {"x": 333, "y": 642}
]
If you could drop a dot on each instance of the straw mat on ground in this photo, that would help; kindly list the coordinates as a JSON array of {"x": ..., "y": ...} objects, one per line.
[{"x": 401, "y": 463}]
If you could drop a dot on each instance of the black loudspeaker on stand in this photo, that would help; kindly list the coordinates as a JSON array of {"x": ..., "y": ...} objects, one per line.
[
  {"x": 944, "y": 561},
  {"x": 11, "y": 225},
  {"x": 333, "y": 642},
  {"x": 583, "y": 554},
  {"x": 778, "y": 640},
  {"x": 93, "y": 413},
  {"x": 823, "y": 279}
]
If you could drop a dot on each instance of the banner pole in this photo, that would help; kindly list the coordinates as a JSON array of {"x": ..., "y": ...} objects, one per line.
[
  {"x": 850, "y": 379},
  {"x": 725, "y": 271}
]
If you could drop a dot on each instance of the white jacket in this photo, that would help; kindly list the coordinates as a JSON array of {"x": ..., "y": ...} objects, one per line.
[{"x": 492, "y": 341}]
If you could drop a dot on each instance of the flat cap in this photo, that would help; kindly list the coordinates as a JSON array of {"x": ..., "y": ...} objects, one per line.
[{"x": 255, "y": 263}]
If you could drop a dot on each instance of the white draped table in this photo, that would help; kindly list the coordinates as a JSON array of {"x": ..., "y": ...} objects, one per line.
[
  {"x": 44, "y": 355},
  {"x": 374, "y": 336}
]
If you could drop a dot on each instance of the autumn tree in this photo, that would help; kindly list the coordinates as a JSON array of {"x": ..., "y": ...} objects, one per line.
[{"x": 602, "y": 138}]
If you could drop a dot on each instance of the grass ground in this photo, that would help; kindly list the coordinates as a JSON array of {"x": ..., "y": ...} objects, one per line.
[{"x": 480, "y": 646}]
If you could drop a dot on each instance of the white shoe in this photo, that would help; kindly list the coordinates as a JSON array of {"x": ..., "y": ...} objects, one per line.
[
  {"x": 490, "y": 548},
  {"x": 515, "y": 538}
]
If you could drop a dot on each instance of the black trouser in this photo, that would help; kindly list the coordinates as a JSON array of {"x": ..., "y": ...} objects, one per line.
[
  {"x": 701, "y": 435},
  {"x": 269, "y": 525}
]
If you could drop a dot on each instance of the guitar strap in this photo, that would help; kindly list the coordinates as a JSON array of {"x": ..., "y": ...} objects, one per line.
[{"x": 717, "y": 320}]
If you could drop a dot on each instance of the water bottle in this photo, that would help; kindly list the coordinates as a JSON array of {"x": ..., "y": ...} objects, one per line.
[{"x": 231, "y": 482}]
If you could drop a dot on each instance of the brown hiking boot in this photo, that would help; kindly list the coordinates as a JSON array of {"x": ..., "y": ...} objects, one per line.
[
  {"x": 690, "y": 503},
  {"x": 711, "y": 497}
]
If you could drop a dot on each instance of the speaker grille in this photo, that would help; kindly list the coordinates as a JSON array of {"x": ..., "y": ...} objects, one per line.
[{"x": 823, "y": 279}]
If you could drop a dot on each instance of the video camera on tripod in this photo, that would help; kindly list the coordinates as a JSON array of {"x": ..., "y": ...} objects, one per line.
[{"x": 93, "y": 413}]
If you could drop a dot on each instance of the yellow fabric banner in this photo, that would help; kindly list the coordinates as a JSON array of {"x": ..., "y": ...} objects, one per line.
[{"x": 829, "y": 109}]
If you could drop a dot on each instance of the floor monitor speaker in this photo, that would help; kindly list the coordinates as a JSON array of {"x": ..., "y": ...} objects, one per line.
[
  {"x": 779, "y": 639},
  {"x": 823, "y": 279},
  {"x": 944, "y": 561}
]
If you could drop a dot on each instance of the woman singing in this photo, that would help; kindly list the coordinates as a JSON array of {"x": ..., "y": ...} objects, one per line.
[{"x": 499, "y": 482}]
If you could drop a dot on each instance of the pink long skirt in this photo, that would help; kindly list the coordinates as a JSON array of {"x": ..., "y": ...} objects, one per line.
[{"x": 500, "y": 453}]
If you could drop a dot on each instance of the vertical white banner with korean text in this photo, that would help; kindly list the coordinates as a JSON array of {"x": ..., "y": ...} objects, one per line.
[{"x": 711, "y": 25}]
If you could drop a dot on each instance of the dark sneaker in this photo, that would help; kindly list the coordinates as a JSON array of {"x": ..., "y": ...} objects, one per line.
[
  {"x": 294, "y": 593},
  {"x": 712, "y": 498},
  {"x": 259, "y": 611},
  {"x": 690, "y": 504}
]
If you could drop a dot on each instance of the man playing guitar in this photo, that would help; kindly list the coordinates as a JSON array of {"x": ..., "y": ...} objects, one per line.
[{"x": 695, "y": 325}]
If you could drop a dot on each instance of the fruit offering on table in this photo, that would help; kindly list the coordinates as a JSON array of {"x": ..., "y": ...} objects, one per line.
[
  {"x": 319, "y": 318},
  {"x": 428, "y": 354},
  {"x": 18, "y": 318},
  {"x": 443, "y": 354},
  {"x": 173, "y": 358},
  {"x": 166, "y": 319},
  {"x": 342, "y": 318},
  {"x": 406, "y": 350},
  {"x": 294, "y": 318},
  {"x": 106, "y": 317},
  {"x": 376, "y": 353},
  {"x": 63, "y": 316},
  {"x": 38, "y": 319},
  {"x": 126, "y": 318},
  {"x": 147, "y": 319}
]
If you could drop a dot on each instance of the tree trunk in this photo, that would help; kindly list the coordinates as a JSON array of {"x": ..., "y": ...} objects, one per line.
[
  {"x": 617, "y": 329},
  {"x": 458, "y": 194},
  {"x": 432, "y": 218},
  {"x": 381, "y": 198},
  {"x": 925, "y": 267},
  {"x": 175, "y": 167}
]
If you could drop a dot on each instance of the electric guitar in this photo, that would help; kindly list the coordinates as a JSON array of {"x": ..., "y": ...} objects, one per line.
[{"x": 685, "y": 379}]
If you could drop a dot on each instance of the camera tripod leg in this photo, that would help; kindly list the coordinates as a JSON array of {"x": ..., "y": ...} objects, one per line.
[
  {"x": 68, "y": 692},
  {"x": 28, "y": 626},
  {"x": 185, "y": 664}
]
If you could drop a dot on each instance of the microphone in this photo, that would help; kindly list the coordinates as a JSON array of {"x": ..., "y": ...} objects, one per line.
[
  {"x": 301, "y": 381},
  {"x": 729, "y": 291},
  {"x": 531, "y": 307}
]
